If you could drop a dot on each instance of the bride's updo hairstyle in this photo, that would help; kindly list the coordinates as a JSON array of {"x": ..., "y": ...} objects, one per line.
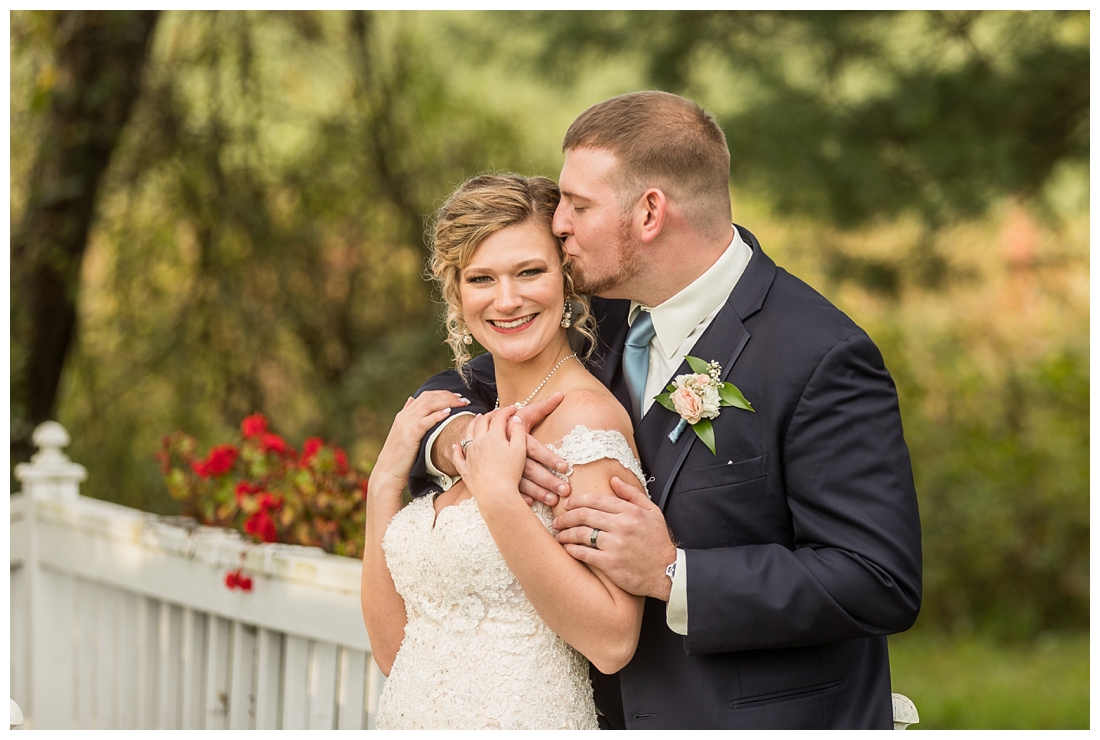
[{"x": 477, "y": 209}]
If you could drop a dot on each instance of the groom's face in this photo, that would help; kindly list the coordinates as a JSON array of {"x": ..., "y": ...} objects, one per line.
[{"x": 597, "y": 234}]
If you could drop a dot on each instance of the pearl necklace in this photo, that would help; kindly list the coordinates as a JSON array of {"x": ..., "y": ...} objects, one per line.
[{"x": 521, "y": 404}]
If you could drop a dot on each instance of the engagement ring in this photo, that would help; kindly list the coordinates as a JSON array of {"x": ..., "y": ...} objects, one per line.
[{"x": 464, "y": 444}]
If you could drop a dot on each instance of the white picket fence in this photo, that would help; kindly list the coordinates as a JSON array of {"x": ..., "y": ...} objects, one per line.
[{"x": 122, "y": 620}]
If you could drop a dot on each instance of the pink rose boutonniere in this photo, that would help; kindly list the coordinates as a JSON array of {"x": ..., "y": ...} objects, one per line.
[{"x": 698, "y": 397}]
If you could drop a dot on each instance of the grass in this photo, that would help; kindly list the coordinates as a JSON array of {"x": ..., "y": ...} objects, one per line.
[{"x": 978, "y": 683}]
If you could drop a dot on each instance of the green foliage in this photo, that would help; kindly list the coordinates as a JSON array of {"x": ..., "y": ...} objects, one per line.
[
  {"x": 980, "y": 684},
  {"x": 852, "y": 116},
  {"x": 260, "y": 238},
  {"x": 732, "y": 396},
  {"x": 1003, "y": 481}
]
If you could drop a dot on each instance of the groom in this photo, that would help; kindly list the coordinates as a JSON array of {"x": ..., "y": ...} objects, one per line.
[{"x": 776, "y": 566}]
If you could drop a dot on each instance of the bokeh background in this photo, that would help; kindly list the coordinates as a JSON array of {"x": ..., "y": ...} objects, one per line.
[{"x": 221, "y": 213}]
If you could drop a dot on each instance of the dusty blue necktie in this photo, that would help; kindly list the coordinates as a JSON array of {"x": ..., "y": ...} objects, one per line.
[{"x": 636, "y": 360}]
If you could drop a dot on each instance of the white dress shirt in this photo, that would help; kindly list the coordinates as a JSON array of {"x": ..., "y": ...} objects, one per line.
[
  {"x": 445, "y": 481},
  {"x": 678, "y": 323}
]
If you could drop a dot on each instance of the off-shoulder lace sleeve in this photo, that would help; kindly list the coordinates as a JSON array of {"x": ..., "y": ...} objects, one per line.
[{"x": 584, "y": 445}]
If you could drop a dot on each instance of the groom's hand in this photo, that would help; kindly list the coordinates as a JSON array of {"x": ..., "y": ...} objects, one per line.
[
  {"x": 538, "y": 483},
  {"x": 633, "y": 547}
]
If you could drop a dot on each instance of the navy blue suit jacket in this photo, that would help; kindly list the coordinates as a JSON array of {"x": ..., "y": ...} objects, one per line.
[{"x": 801, "y": 535}]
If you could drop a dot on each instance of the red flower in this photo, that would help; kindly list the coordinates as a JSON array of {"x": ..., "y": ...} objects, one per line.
[
  {"x": 267, "y": 501},
  {"x": 310, "y": 448},
  {"x": 274, "y": 443},
  {"x": 244, "y": 488},
  {"x": 260, "y": 525},
  {"x": 253, "y": 426},
  {"x": 237, "y": 579},
  {"x": 341, "y": 461},
  {"x": 218, "y": 462}
]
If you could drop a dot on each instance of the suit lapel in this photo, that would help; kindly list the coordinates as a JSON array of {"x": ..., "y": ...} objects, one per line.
[
  {"x": 725, "y": 331},
  {"x": 724, "y": 340}
]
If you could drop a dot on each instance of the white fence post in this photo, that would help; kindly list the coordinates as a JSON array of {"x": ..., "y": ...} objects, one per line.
[{"x": 49, "y": 475}]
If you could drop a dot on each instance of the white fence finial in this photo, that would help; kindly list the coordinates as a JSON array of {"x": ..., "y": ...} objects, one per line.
[
  {"x": 50, "y": 437},
  {"x": 905, "y": 711},
  {"x": 51, "y": 473}
]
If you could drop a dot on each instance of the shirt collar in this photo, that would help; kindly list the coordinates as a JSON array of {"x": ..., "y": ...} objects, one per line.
[{"x": 677, "y": 317}]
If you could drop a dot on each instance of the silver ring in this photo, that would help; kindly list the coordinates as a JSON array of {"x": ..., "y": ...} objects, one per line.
[
  {"x": 464, "y": 444},
  {"x": 592, "y": 538}
]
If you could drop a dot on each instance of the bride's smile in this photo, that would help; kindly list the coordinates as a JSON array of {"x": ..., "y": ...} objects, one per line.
[{"x": 507, "y": 327}]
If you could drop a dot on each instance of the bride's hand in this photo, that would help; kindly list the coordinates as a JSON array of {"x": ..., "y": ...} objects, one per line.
[
  {"x": 395, "y": 461},
  {"x": 493, "y": 461}
]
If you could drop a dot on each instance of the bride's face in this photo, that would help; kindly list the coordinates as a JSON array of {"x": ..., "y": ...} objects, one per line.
[{"x": 513, "y": 292}]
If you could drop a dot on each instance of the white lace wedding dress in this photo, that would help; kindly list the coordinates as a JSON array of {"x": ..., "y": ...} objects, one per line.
[{"x": 475, "y": 653}]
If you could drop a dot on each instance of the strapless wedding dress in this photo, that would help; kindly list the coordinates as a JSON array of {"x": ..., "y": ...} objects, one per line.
[{"x": 475, "y": 654}]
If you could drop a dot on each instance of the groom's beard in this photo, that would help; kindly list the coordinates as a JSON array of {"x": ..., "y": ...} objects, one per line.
[{"x": 628, "y": 264}]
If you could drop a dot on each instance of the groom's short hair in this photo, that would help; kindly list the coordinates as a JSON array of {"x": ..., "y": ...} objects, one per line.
[{"x": 661, "y": 140}]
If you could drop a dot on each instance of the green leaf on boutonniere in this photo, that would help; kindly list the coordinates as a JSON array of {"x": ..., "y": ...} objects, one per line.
[
  {"x": 697, "y": 365},
  {"x": 731, "y": 396},
  {"x": 705, "y": 431},
  {"x": 665, "y": 399}
]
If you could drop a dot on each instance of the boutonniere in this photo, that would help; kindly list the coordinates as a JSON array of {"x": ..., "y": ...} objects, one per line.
[{"x": 698, "y": 398}]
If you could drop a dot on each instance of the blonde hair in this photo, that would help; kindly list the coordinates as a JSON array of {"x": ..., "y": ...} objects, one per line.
[
  {"x": 661, "y": 140},
  {"x": 477, "y": 209}
]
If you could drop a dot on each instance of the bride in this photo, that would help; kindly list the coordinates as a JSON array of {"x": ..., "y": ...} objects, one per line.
[{"x": 477, "y": 615}]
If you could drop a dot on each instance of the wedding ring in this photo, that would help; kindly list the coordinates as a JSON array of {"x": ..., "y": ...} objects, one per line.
[
  {"x": 592, "y": 538},
  {"x": 464, "y": 444}
]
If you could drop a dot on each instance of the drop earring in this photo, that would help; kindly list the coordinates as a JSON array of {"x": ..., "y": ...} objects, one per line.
[
  {"x": 467, "y": 338},
  {"x": 567, "y": 315}
]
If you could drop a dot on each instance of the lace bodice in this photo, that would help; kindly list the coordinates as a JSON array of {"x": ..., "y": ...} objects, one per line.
[
  {"x": 476, "y": 655},
  {"x": 584, "y": 445}
]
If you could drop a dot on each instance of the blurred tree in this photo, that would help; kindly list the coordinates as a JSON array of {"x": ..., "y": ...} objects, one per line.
[
  {"x": 855, "y": 116},
  {"x": 1002, "y": 469},
  {"x": 259, "y": 243},
  {"x": 91, "y": 85}
]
